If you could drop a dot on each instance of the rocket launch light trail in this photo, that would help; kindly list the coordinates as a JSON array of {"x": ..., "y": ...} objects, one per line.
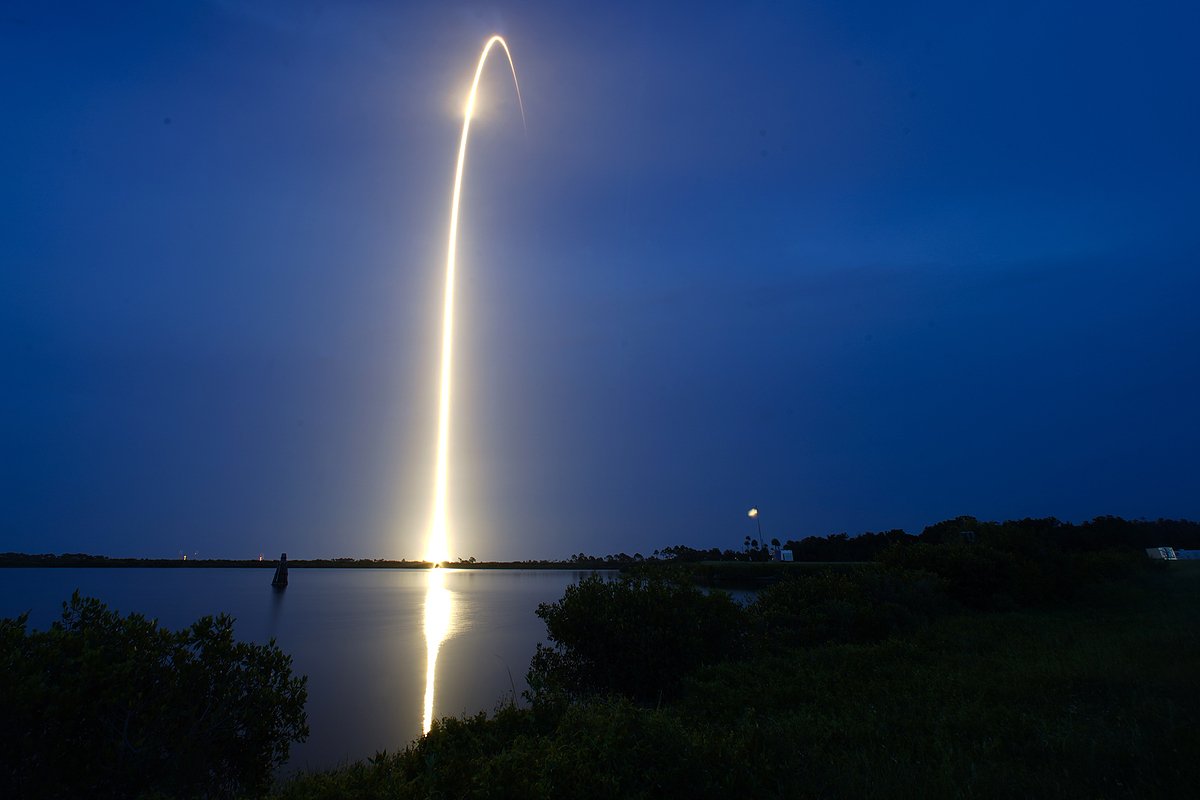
[
  {"x": 439, "y": 601},
  {"x": 437, "y": 548}
]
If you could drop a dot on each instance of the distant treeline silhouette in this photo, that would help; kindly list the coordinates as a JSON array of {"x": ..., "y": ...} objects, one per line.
[{"x": 1101, "y": 533}]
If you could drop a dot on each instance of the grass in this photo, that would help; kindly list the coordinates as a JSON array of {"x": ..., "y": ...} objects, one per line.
[{"x": 1099, "y": 699}]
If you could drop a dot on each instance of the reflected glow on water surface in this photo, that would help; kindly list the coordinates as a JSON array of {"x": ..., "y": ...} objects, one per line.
[
  {"x": 439, "y": 619},
  {"x": 374, "y": 643}
]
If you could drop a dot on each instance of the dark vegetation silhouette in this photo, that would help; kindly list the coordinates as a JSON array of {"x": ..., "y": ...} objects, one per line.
[
  {"x": 636, "y": 635},
  {"x": 1101, "y": 533},
  {"x": 1027, "y": 658},
  {"x": 105, "y": 706}
]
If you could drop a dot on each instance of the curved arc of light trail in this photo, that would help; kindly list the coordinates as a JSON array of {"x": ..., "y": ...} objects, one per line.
[
  {"x": 436, "y": 548},
  {"x": 439, "y": 609}
]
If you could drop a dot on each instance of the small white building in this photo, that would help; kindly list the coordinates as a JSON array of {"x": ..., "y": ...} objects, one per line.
[{"x": 1162, "y": 553}]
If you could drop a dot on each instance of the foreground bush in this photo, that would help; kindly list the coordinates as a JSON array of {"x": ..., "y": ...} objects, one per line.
[
  {"x": 102, "y": 706},
  {"x": 836, "y": 606},
  {"x": 598, "y": 748},
  {"x": 637, "y": 636}
]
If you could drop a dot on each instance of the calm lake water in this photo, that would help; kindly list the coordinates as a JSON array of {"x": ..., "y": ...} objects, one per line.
[{"x": 360, "y": 635}]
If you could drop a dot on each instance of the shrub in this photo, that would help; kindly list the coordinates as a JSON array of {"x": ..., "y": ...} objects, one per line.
[
  {"x": 828, "y": 606},
  {"x": 1011, "y": 564},
  {"x": 1112, "y": 564},
  {"x": 102, "y": 706},
  {"x": 637, "y": 636},
  {"x": 975, "y": 575}
]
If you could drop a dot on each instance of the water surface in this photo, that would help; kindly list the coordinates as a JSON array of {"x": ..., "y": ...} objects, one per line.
[{"x": 358, "y": 634}]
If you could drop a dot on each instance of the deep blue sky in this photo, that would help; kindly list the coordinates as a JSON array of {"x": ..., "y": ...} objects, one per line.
[{"x": 863, "y": 264}]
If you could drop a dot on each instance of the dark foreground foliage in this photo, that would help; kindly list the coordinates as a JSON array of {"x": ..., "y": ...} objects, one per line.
[
  {"x": 1091, "y": 700},
  {"x": 866, "y": 604},
  {"x": 1025, "y": 658},
  {"x": 636, "y": 636},
  {"x": 103, "y": 706},
  {"x": 995, "y": 665},
  {"x": 1094, "y": 700}
]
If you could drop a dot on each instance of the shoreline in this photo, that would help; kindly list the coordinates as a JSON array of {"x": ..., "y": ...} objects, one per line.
[{"x": 54, "y": 562}]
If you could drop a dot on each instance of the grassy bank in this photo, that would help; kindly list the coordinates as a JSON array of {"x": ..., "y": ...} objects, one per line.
[
  {"x": 1095, "y": 700},
  {"x": 1092, "y": 698}
]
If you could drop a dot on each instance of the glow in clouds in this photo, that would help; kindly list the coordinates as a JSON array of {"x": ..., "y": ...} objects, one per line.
[{"x": 437, "y": 548}]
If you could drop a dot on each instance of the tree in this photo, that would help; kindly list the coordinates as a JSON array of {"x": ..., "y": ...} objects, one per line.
[
  {"x": 637, "y": 636},
  {"x": 106, "y": 706}
]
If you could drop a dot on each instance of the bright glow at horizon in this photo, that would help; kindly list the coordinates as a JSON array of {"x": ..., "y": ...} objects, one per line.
[{"x": 437, "y": 547}]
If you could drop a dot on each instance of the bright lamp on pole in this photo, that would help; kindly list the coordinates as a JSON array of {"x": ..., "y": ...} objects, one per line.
[{"x": 753, "y": 514}]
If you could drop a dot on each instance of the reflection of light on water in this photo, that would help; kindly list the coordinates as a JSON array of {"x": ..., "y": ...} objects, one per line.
[{"x": 439, "y": 614}]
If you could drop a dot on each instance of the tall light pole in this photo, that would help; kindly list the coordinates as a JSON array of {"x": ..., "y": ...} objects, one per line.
[{"x": 753, "y": 514}]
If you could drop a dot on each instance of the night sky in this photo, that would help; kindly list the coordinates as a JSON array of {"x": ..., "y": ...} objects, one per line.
[{"x": 863, "y": 265}]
